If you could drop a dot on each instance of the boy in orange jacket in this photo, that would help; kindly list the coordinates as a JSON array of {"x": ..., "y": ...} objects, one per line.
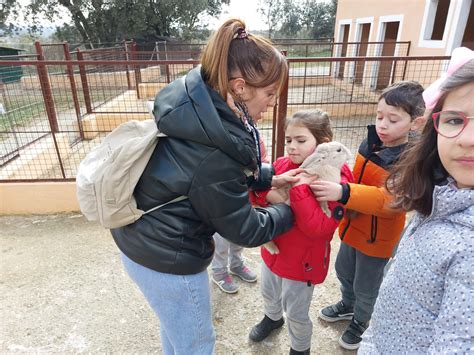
[{"x": 370, "y": 230}]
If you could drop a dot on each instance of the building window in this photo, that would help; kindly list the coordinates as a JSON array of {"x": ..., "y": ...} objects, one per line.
[
  {"x": 468, "y": 36},
  {"x": 436, "y": 20},
  {"x": 441, "y": 16}
]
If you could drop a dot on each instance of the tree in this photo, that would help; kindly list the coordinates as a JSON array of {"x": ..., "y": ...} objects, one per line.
[
  {"x": 66, "y": 33},
  {"x": 271, "y": 10},
  {"x": 318, "y": 18},
  {"x": 291, "y": 18},
  {"x": 8, "y": 10},
  {"x": 299, "y": 18},
  {"x": 101, "y": 21}
]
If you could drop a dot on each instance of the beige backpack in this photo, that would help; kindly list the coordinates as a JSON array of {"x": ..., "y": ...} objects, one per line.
[{"x": 107, "y": 177}]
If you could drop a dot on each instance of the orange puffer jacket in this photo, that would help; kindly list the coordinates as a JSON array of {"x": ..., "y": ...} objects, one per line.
[{"x": 375, "y": 228}]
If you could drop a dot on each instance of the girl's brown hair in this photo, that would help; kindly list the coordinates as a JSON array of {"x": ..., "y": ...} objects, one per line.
[
  {"x": 232, "y": 51},
  {"x": 316, "y": 121},
  {"x": 414, "y": 176}
]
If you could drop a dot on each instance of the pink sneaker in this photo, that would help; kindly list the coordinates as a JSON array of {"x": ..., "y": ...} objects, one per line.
[
  {"x": 225, "y": 283},
  {"x": 244, "y": 273}
]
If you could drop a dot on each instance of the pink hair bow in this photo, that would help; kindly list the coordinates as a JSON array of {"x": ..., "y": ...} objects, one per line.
[{"x": 459, "y": 57}]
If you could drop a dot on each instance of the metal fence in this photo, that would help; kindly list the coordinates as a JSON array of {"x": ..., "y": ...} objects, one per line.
[
  {"x": 294, "y": 48},
  {"x": 60, "y": 109},
  {"x": 349, "y": 95}
]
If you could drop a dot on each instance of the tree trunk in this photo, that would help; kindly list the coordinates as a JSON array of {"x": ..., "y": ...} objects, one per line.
[{"x": 81, "y": 23}]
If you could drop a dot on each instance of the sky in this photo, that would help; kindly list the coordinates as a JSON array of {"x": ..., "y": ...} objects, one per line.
[
  {"x": 247, "y": 11},
  {"x": 244, "y": 9}
]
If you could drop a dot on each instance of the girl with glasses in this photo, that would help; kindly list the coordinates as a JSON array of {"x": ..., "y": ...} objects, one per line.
[{"x": 425, "y": 301}]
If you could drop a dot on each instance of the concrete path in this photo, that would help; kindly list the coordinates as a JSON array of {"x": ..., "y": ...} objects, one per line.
[{"x": 63, "y": 290}]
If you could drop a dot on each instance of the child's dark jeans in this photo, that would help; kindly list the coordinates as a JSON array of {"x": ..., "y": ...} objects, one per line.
[{"x": 360, "y": 276}]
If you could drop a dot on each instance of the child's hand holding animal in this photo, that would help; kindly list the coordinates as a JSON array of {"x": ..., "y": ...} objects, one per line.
[
  {"x": 326, "y": 190},
  {"x": 277, "y": 196},
  {"x": 326, "y": 163}
]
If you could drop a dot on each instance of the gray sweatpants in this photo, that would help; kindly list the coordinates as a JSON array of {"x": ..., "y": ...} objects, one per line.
[
  {"x": 360, "y": 276},
  {"x": 226, "y": 254},
  {"x": 292, "y": 297}
]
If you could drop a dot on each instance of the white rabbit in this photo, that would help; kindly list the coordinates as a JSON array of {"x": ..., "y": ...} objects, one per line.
[{"x": 325, "y": 163}]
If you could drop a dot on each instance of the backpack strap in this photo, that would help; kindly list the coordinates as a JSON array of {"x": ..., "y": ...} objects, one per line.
[{"x": 179, "y": 198}]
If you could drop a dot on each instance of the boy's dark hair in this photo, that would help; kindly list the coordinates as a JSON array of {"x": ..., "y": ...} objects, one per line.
[
  {"x": 407, "y": 95},
  {"x": 413, "y": 178}
]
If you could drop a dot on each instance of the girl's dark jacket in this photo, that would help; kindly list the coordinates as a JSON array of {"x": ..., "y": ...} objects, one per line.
[{"x": 206, "y": 156}]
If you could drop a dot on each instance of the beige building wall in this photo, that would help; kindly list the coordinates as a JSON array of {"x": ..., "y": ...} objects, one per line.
[
  {"x": 38, "y": 198},
  {"x": 415, "y": 17}
]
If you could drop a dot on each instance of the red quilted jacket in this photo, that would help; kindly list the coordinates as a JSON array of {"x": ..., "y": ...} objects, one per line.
[{"x": 305, "y": 248}]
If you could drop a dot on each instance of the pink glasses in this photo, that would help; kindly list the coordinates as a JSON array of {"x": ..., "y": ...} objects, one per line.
[{"x": 450, "y": 124}]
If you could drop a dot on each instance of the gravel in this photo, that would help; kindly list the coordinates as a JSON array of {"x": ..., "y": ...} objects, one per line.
[{"x": 63, "y": 290}]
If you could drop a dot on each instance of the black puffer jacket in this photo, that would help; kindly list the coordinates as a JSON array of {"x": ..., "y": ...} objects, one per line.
[{"x": 204, "y": 157}]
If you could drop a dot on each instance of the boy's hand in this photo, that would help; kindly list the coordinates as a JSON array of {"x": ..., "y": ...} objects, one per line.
[
  {"x": 326, "y": 190},
  {"x": 290, "y": 177}
]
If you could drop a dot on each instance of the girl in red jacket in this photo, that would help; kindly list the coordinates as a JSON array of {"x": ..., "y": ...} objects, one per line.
[{"x": 288, "y": 278}]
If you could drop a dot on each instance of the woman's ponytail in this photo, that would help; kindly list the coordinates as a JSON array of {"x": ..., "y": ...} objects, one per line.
[{"x": 231, "y": 50}]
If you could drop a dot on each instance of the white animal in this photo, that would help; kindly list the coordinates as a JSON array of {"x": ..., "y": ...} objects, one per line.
[{"x": 326, "y": 162}]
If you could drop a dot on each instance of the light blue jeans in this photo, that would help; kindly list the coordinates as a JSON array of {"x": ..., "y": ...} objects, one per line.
[{"x": 182, "y": 304}]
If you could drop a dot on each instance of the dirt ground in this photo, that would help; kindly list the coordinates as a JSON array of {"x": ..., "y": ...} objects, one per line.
[{"x": 63, "y": 290}]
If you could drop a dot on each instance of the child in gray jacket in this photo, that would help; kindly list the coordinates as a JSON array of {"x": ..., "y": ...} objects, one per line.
[{"x": 425, "y": 304}]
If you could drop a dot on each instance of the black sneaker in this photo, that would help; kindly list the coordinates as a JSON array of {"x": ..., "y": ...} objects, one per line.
[
  {"x": 336, "y": 312},
  {"x": 264, "y": 328},
  {"x": 352, "y": 337},
  {"x": 305, "y": 352}
]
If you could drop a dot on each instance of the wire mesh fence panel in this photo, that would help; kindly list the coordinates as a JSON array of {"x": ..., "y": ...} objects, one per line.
[
  {"x": 24, "y": 129},
  {"x": 52, "y": 51},
  {"x": 164, "y": 73},
  {"x": 103, "y": 83},
  {"x": 351, "y": 96},
  {"x": 306, "y": 49},
  {"x": 22, "y": 113},
  {"x": 176, "y": 46},
  {"x": 49, "y": 120},
  {"x": 370, "y": 49}
]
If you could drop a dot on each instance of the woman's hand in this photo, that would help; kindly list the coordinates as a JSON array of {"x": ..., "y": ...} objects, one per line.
[
  {"x": 326, "y": 190},
  {"x": 277, "y": 196},
  {"x": 287, "y": 178},
  {"x": 305, "y": 179}
]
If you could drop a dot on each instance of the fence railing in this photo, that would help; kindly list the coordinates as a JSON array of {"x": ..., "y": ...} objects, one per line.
[
  {"x": 52, "y": 120},
  {"x": 297, "y": 48},
  {"x": 350, "y": 95}
]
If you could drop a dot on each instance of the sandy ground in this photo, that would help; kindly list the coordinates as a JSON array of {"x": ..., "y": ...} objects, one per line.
[{"x": 63, "y": 290}]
